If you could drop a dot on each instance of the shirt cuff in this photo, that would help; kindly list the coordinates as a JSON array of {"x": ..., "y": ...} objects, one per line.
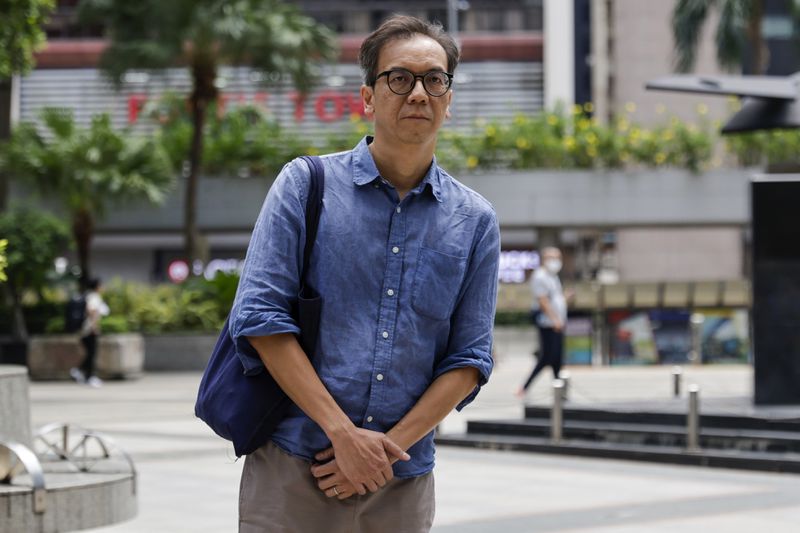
[
  {"x": 471, "y": 358},
  {"x": 258, "y": 325}
]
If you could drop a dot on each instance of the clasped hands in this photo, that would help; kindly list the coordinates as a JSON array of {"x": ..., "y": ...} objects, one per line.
[{"x": 357, "y": 462}]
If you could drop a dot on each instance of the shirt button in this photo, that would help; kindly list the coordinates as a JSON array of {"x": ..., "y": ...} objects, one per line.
[
  {"x": 379, "y": 377},
  {"x": 369, "y": 419},
  {"x": 390, "y": 292},
  {"x": 395, "y": 250},
  {"x": 385, "y": 334},
  {"x": 398, "y": 209}
]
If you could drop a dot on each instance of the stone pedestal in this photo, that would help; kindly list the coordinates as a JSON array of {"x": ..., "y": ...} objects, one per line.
[{"x": 14, "y": 408}]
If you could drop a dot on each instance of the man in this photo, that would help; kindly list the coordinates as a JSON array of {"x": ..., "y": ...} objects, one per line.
[
  {"x": 550, "y": 315},
  {"x": 96, "y": 309},
  {"x": 406, "y": 261}
]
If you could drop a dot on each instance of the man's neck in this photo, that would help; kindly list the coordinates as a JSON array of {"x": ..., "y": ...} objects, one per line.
[{"x": 403, "y": 166}]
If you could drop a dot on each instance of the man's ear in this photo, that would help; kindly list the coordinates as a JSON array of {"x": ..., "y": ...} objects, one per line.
[
  {"x": 447, "y": 113},
  {"x": 368, "y": 99}
]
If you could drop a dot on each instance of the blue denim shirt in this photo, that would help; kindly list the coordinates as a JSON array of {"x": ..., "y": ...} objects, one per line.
[{"x": 408, "y": 290}]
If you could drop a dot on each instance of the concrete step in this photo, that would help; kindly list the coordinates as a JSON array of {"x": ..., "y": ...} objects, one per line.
[
  {"x": 774, "y": 462},
  {"x": 640, "y": 434},
  {"x": 627, "y": 415}
]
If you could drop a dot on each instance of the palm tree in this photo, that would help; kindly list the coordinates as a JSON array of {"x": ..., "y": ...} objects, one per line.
[
  {"x": 739, "y": 29},
  {"x": 268, "y": 35},
  {"x": 21, "y": 35},
  {"x": 86, "y": 169}
]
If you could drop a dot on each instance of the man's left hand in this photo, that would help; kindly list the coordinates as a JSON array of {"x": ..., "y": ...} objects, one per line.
[{"x": 331, "y": 481}]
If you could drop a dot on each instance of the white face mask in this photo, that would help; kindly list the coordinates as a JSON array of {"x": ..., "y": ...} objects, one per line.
[{"x": 553, "y": 265}]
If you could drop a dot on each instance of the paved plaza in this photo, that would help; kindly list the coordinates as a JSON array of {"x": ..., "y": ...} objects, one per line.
[{"x": 188, "y": 478}]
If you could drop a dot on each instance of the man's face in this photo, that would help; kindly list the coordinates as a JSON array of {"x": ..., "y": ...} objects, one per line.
[{"x": 413, "y": 118}]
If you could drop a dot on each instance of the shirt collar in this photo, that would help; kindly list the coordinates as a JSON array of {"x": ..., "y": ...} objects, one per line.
[{"x": 365, "y": 171}]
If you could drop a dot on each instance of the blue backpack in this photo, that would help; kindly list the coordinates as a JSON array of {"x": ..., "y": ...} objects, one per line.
[{"x": 246, "y": 409}]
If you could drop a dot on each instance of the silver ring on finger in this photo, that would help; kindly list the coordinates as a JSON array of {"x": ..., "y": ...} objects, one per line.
[{"x": 335, "y": 490}]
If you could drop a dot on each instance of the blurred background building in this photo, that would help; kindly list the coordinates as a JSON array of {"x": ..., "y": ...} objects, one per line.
[{"x": 645, "y": 248}]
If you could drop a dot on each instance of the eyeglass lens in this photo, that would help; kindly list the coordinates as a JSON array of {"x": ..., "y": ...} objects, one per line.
[{"x": 402, "y": 81}]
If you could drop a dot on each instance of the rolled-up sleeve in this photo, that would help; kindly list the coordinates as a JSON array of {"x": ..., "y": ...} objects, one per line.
[
  {"x": 470, "y": 342},
  {"x": 270, "y": 279}
]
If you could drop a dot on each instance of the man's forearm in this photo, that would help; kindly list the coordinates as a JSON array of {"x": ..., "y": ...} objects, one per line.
[
  {"x": 435, "y": 404},
  {"x": 289, "y": 365}
]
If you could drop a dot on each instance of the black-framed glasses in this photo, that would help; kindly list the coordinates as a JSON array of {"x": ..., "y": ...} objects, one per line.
[{"x": 402, "y": 81}]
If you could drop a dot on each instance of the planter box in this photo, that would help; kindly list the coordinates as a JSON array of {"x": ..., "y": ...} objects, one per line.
[
  {"x": 119, "y": 356},
  {"x": 178, "y": 352}
]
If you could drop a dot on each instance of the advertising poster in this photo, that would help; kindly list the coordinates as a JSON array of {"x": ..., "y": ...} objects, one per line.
[
  {"x": 724, "y": 336},
  {"x": 578, "y": 341}
]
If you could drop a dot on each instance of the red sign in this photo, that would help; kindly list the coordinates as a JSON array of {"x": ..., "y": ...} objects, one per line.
[{"x": 328, "y": 106}]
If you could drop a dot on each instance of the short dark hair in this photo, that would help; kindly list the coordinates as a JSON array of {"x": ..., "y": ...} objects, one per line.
[
  {"x": 403, "y": 27},
  {"x": 93, "y": 284}
]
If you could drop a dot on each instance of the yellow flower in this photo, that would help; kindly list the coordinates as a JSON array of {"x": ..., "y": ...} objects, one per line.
[
  {"x": 661, "y": 109},
  {"x": 521, "y": 120},
  {"x": 355, "y": 117},
  {"x": 491, "y": 131},
  {"x": 522, "y": 143},
  {"x": 569, "y": 142},
  {"x": 584, "y": 124},
  {"x": 577, "y": 110},
  {"x": 702, "y": 109},
  {"x": 660, "y": 158},
  {"x": 312, "y": 150},
  {"x": 623, "y": 125},
  {"x": 552, "y": 120},
  {"x": 591, "y": 138},
  {"x": 667, "y": 135},
  {"x": 635, "y": 133},
  {"x": 588, "y": 107},
  {"x": 362, "y": 128},
  {"x": 472, "y": 161},
  {"x": 630, "y": 107},
  {"x": 591, "y": 151}
]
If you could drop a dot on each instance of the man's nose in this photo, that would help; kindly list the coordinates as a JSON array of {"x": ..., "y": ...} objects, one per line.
[{"x": 418, "y": 91}]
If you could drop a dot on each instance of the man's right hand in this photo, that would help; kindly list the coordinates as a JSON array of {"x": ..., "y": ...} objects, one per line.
[{"x": 365, "y": 458}]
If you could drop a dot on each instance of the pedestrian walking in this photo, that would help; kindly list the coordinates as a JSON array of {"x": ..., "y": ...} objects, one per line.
[
  {"x": 96, "y": 309},
  {"x": 406, "y": 262},
  {"x": 549, "y": 311}
]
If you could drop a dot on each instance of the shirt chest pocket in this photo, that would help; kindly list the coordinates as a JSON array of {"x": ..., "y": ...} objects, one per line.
[{"x": 437, "y": 282}]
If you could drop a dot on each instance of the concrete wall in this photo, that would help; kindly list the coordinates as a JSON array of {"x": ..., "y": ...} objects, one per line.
[{"x": 678, "y": 254}]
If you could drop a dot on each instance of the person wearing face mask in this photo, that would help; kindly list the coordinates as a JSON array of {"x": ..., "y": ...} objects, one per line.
[{"x": 550, "y": 315}]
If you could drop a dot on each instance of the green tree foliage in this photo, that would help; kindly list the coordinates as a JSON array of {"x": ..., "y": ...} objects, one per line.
[
  {"x": 243, "y": 141},
  {"x": 268, "y": 35},
  {"x": 35, "y": 239},
  {"x": 21, "y": 33},
  {"x": 3, "y": 260},
  {"x": 738, "y": 29},
  {"x": 87, "y": 169}
]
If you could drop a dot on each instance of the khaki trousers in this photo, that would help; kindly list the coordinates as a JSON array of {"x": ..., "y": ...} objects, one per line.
[{"x": 279, "y": 494}]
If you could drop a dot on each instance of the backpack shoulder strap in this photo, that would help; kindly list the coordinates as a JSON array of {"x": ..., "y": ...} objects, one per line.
[{"x": 313, "y": 207}]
